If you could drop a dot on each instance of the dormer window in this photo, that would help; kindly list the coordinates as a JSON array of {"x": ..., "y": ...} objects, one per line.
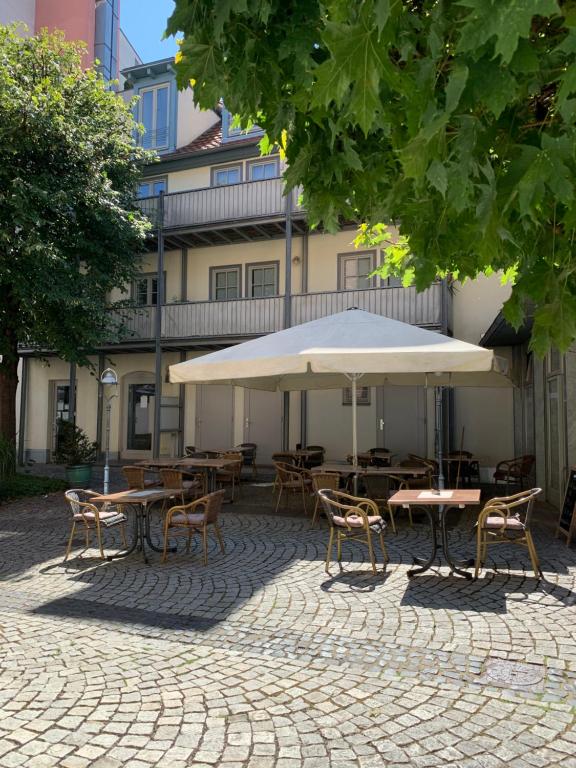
[{"x": 153, "y": 114}]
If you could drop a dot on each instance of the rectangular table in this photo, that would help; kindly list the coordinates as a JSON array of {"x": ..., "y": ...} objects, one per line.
[
  {"x": 140, "y": 502},
  {"x": 210, "y": 465},
  {"x": 349, "y": 469},
  {"x": 440, "y": 501}
]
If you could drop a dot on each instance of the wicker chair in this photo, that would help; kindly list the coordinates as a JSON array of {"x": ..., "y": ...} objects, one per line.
[
  {"x": 469, "y": 468},
  {"x": 189, "y": 451},
  {"x": 292, "y": 479},
  {"x": 514, "y": 470},
  {"x": 135, "y": 477},
  {"x": 174, "y": 479},
  {"x": 320, "y": 481},
  {"x": 501, "y": 522},
  {"x": 378, "y": 490},
  {"x": 231, "y": 475},
  {"x": 380, "y": 457},
  {"x": 86, "y": 514},
  {"x": 199, "y": 515},
  {"x": 352, "y": 518},
  {"x": 249, "y": 457},
  {"x": 317, "y": 458}
]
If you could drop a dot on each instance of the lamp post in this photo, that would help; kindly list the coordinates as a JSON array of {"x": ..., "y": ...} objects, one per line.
[{"x": 108, "y": 376}]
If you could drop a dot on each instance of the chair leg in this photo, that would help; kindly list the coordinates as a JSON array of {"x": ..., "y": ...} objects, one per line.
[
  {"x": 189, "y": 540},
  {"x": 87, "y": 538},
  {"x": 384, "y": 550},
  {"x": 279, "y": 497},
  {"x": 329, "y": 552},
  {"x": 165, "y": 550},
  {"x": 533, "y": 555},
  {"x": 99, "y": 537},
  {"x": 123, "y": 535},
  {"x": 371, "y": 553},
  {"x": 315, "y": 513},
  {"x": 219, "y": 537},
  {"x": 339, "y": 546},
  {"x": 205, "y": 543},
  {"x": 479, "y": 548},
  {"x": 69, "y": 547},
  {"x": 392, "y": 523},
  {"x": 410, "y": 521}
]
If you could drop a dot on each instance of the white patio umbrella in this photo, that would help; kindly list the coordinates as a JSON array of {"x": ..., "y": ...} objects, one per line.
[{"x": 339, "y": 350}]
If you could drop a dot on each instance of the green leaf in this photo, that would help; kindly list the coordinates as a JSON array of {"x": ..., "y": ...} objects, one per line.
[
  {"x": 456, "y": 84},
  {"x": 437, "y": 176},
  {"x": 381, "y": 14}
]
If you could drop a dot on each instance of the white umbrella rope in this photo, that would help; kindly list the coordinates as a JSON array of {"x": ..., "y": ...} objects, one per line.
[{"x": 335, "y": 351}]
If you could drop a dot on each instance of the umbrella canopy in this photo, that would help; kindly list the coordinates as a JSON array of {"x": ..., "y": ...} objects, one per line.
[{"x": 329, "y": 352}]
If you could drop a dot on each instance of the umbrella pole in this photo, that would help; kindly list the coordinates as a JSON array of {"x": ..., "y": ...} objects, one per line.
[
  {"x": 439, "y": 391},
  {"x": 354, "y": 377}
]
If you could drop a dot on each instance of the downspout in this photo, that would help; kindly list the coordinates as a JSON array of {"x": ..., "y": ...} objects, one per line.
[
  {"x": 23, "y": 409},
  {"x": 158, "y": 330},
  {"x": 287, "y": 314},
  {"x": 303, "y": 393}
]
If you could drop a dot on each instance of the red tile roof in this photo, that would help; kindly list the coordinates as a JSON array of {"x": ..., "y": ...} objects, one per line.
[{"x": 210, "y": 139}]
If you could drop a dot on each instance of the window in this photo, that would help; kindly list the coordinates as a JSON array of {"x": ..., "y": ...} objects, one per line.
[
  {"x": 263, "y": 169},
  {"x": 224, "y": 283},
  {"x": 354, "y": 270},
  {"x": 362, "y": 396},
  {"x": 153, "y": 114},
  {"x": 229, "y": 174},
  {"x": 262, "y": 280},
  {"x": 152, "y": 188},
  {"x": 145, "y": 290}
]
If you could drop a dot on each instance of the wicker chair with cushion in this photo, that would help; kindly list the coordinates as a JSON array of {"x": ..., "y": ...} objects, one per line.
[
  {"x": 320, "y": 481},
  {"x": 185, "y": 488},
  {"x": 231, "y": 475},
  {"x": 88, "y": 515},
  {"x": 292, "y": 479},
  {"x": 352, "y": 518},
  {"x": 249, "y": 457},
  {"x": 379, "y": 491},
  {"x": 199, "y": 516},
  {"x": 507, "y": 519},
  {"x": 136, "y": 478},
  {"x": 514, "y": 470},
  {"x": 317, "y": 458}
]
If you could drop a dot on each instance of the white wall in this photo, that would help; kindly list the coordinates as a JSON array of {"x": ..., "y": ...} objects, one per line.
[
  {"x": 192, "y": 121},
  {"x": 18, "y": 10}
]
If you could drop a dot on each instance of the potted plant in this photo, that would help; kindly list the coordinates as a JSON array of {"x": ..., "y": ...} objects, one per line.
[{"x": 76, "y": 451}]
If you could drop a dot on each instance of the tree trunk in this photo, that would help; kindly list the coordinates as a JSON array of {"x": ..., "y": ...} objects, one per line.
[{"x": 8, "y": 386}]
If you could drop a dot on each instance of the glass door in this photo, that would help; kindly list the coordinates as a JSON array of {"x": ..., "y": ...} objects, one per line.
[
  {"x": 140, "y": 417},
  {"x": 60, "y": 410}
]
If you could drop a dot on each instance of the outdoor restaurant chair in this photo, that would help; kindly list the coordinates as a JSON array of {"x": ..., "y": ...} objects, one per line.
[
  {"x": 469, "y": 467},
  {"x": 174, "y": 478},
  {"x": 199, "y": 516},
  {"x": 317, "y": 458},
  {"x": 230, "y": 475},
  {"x": 135, "y": 477},
  {"x": 320, "y": 481},
  {"x": 380, "y": 457},
  {"x": 196, "y": 455},
  {"x": 189, "y": 450},
  {"x": 89, "y": 516},
  {"x": 355, "y": 519},
  {"x": 291, "y": 479},
  {"x": 507, "y": 520},
  {"x": 249, "y": 457},
  {"x": 378, "y": 490},
  {"x": 282, "y": 458},
  {"x": 514, "y": 470}
]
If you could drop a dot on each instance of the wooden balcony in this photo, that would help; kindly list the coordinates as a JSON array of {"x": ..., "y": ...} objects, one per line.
[
  {"x": 233, "y": 213},
  {"x": 220, "y": 322}
]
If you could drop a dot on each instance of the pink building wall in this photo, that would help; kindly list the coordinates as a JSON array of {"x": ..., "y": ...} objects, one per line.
[{"x": 75, "y": 18}]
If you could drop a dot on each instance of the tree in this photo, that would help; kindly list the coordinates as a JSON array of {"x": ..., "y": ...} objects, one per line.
[
  {"x": 455, "y": 120},
  {"x": 69, "y": 230}
]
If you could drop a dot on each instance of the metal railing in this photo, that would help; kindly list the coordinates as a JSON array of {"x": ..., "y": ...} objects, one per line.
[
  {"x": 254, "y": 317},
  {"x": 230, "y": 202}
]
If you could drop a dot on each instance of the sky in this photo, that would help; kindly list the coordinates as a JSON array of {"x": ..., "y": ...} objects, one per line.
[{"x": 143, "y": 23}]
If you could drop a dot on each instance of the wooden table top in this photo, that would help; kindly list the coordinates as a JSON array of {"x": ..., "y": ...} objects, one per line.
[
  {"x": 131, "y": 496},
  {"x": 349, "y": 469},
  {"x": 165, "y": 461},
  {"x": 208, "y": 463},
  {"x": 461, "y": 459},
  {"x": 446, "y": 497}
]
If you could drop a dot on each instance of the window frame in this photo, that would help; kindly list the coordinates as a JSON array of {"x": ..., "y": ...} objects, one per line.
[
  {"x": 227, "y": 167},
  {"x": 146, "y": 276},
  {"x": 363, "y": 395},
  {"x": 263, "y": 265},
  {"x": 213, "y": 271},
  {"x": 250, "y": 164},
  {"x": 343, "y": 257},
  {"x": 154, "y": 89},
  {"x": 151, "y": 181}
]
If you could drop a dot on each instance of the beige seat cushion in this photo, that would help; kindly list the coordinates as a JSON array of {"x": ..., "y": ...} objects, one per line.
[
  {"x": 192, "y": 519},
  {"x": 510, "y": 524},
  {"x": 355, "y": 521}
]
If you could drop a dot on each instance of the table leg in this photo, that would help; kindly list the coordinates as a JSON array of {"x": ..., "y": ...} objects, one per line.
[
  {"x": 148, "y": 538},
  {"x": 423, "y": 564},
  {"x": 456, "y": 566},
  {"x": 136, "y": 511}
]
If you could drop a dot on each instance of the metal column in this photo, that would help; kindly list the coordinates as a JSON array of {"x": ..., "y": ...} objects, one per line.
[
  {"x": 158, "y": 330},
  {"x": 287, "y": 314},
  {"x": 72, "y": 395},
  {"x": 100, "y": 405},
  {"x": 23, "y": 408}
]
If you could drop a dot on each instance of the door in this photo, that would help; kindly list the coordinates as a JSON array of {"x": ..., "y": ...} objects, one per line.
[
  {"x": 263, "y": 423},
  {"x": 214, "y": 416},
  {"x": 140, "y": 417},
  {"x": 60, "y": 409},
  {"x": 401, "y": 421}
]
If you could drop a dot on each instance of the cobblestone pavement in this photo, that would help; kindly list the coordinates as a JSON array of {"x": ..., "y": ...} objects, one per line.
[{"x": 262, "y": 660}]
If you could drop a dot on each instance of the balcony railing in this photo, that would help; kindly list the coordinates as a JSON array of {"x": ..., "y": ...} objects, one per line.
[
  {"x": 227, "y": 203},
  {"x": 254, "y": 317}
]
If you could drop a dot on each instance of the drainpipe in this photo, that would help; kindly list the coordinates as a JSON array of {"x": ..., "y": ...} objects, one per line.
[
  {"x": 72, "y": 395},
  {"x": 287, "y": 313},
  {"x": 181, "y": 410},
  {"x": 100, "y": 405},
  {"x": 158, "y": 330},
  {"x": 23, "y": 408},
  {"x": 304, "y": 394}
]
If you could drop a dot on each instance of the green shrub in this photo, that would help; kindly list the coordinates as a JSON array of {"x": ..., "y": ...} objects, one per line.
[
  {"x": 19, "y": 486},
  {"x": 73, "y": 445}
]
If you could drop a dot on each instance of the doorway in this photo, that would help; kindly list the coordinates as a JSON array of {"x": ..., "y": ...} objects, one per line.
[
  {"x": 214, "y": 416},
  {"x": 59, "y": 410},
  {"x": 555, "y": 428},
  {"x": 138, "y": 398},
  {"x": 263, "y": 423}
]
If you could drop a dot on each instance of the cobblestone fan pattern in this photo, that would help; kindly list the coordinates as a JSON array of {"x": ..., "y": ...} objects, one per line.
[{"x": 262, "y": 660}]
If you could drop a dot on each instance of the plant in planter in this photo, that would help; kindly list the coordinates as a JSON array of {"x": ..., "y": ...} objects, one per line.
[{"x": 76, "y": 451}]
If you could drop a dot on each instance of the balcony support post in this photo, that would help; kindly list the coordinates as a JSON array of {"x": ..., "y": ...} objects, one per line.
[
  {"x": 158, "y": 330},
  {"x": 23, "y": 409},
  {"x": 100, "y": 405},
  {"x": 287, "y": 314},
  {"x": 181, "y": 411},
  {"x": 72, "y": 395}
]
